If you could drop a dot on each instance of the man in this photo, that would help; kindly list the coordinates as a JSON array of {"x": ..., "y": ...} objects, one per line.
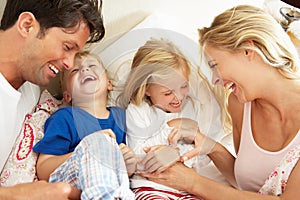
[{"x": 37, "y": 40}]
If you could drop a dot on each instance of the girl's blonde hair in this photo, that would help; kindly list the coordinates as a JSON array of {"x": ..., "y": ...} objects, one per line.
[
  {"x": 156, "y": 58},
  {"x": 247, "y": 27}
]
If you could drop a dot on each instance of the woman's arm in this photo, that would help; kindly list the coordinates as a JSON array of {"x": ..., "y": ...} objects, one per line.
[
  {"x": 221, "y": 157},
  {"x": 46, "y": 164},
  {"x": 224, "y": 161},
  {"x": 186, "y": 179}
]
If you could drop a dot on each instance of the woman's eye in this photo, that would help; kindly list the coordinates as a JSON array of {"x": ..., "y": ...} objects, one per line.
[{"x": 213, "y": 66}]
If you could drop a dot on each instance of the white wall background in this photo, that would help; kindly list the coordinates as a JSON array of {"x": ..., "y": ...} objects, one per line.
[{"x": 121, "y": 15}]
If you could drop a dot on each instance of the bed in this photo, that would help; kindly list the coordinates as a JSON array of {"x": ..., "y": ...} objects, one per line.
[{"x": 116, "y": 56}]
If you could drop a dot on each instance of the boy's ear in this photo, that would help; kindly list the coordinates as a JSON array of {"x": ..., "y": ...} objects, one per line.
[
  {"x": 67, "y": 97},
  {"x": 26, "y": 22},
  {"x": 109, "y": 86}
]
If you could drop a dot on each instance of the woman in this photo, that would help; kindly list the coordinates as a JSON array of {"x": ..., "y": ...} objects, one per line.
[{"x": 250, "y": 55}]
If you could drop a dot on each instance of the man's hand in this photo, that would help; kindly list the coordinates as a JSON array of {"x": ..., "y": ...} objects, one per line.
[{"x": 40, "y": 190}]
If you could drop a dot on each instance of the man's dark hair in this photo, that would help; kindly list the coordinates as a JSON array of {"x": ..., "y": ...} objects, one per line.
[{"x": 58, "y": 13}]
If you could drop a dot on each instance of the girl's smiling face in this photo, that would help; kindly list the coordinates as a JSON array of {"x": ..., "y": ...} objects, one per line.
[{"x": 169, "y": 94}]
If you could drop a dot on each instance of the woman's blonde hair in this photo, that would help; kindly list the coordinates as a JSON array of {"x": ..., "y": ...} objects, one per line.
[
  {"x": 247, "y": 27},
  {"x": 156, "y": 58},
  {"x": 242, "y": 26}
]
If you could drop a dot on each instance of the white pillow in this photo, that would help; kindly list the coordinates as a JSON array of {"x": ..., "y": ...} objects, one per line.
[{"x": 20, "y": 166}]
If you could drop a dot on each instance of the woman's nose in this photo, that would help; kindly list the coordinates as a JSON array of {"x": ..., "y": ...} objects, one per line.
[{"x": 216, "y": 79}]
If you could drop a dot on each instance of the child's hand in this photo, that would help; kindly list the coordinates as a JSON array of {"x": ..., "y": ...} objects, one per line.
[
  {"x": 129, "y": 158},
  {"x": 159, "y": 158},
  {"x": 108, "y": 132},
  {"x": 184, "y": 129},
  {"x": 187, "y": 129}
]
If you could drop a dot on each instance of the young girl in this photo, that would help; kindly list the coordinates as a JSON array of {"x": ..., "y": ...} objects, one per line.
[{"x": 158, "y": 90}]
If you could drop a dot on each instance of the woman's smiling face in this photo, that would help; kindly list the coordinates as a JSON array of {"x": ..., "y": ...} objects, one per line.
[{"x": 229, "y": 70}]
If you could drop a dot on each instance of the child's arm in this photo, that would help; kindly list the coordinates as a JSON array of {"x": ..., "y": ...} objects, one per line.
[
  {"x": 46, "y": 164},
  {"x": 129, "y": 158}
]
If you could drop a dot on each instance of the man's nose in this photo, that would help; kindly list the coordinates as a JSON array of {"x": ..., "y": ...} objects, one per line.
[{"x": 68, "y": 62}]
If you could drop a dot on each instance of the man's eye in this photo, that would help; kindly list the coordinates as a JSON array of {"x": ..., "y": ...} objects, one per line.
[
  {"x": 74, "y": 70},
  {"x": 68, "y": 48}
]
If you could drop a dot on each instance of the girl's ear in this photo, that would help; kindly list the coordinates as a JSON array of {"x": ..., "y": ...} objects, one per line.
[
  {"x": 67, "y": 97},
  {"x": 25, "y": 23},
  {"x": 147, "y": 93},
  {"x": 109, "y": 86}
]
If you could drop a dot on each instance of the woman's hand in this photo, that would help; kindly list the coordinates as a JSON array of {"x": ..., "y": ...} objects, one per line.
[
  {"x": 177, "y": 176},
  {"x": 159, "y": 158},
  {"x": 129, "y": 158},
  {"x": 188, "y": 130}
]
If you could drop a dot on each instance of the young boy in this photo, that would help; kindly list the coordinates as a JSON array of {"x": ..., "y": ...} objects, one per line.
[{"x": 80, "y": 140}]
